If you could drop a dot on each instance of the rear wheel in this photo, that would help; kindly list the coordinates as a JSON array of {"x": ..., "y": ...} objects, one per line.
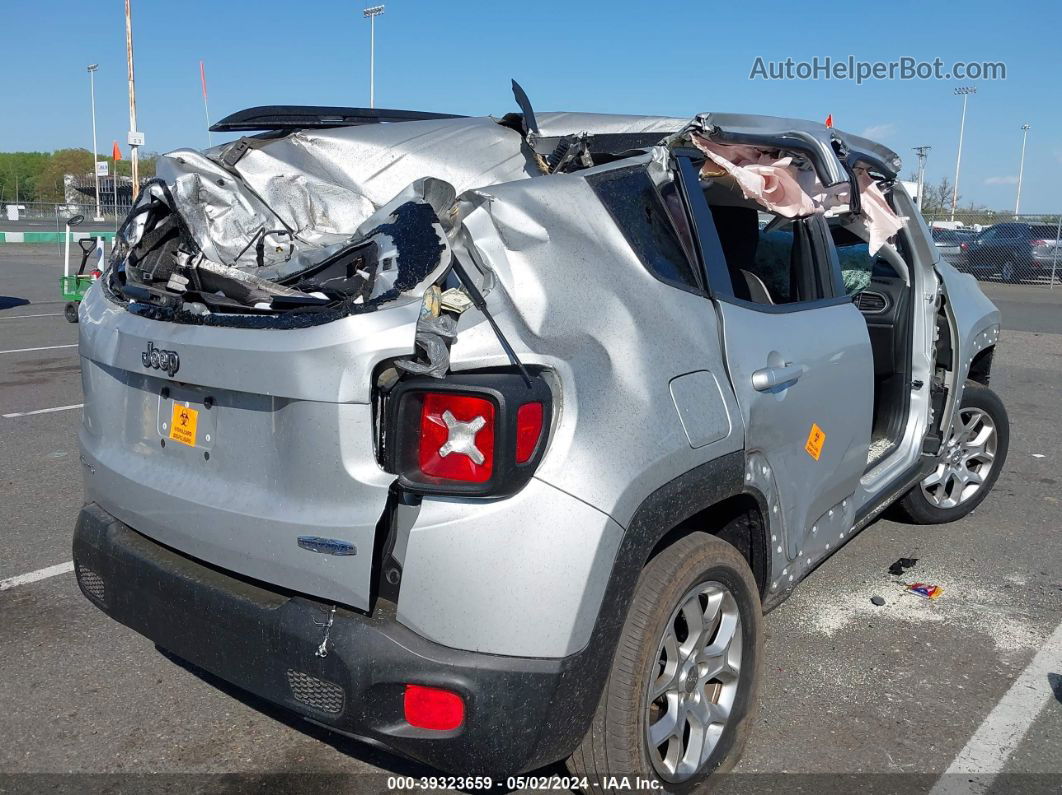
[
  {"x": 679, "y": 700},
  {"x": 970, "y": 462},
  {"x": 70, "y": 312},
  {"x": 1009, "y": 272}
]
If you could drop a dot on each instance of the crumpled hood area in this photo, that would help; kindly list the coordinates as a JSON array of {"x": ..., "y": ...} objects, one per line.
[{"x": 280, "y": 205}]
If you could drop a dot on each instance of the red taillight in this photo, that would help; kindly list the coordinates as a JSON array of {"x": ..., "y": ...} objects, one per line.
[
  {"x": 964, "y": 246},
  {"x": 96, "y": 273},
  {"x": 471, "y": 434},
  {"x": 433, "y": 708},
  {"x": 456, "y": 437},
  {"x": 1038, "y": 243},
  {"x": 528, "y": 429}
]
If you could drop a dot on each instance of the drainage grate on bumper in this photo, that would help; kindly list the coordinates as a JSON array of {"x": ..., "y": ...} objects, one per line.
[
  {"x": 315, "y": 692},
  {"x": 90, "y": 582}
]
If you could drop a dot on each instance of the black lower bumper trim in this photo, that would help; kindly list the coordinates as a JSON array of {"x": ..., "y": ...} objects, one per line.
[{"x": 520, "y": 713}]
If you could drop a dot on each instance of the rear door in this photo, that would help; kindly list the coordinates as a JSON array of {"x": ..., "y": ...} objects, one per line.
[{"x": 798, "y": 355}]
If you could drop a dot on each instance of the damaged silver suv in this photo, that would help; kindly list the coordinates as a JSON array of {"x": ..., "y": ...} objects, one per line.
[{"x": 490, "y": 440}]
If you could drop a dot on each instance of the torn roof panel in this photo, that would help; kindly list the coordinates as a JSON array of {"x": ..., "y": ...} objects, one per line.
[
  {"x": 299, "y": 195},
  {"x": 564, "y": 123}
]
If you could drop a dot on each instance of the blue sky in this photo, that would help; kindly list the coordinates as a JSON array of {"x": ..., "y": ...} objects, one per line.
[{"x": 619, "y": 56}]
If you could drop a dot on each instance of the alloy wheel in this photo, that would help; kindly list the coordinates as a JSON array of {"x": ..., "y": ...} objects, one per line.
[
  {"x": 691, "y": 695},
  {"x": 967, "y": 459}
]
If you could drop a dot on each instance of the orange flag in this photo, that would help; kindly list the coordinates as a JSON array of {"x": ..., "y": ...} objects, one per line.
[{"x": 116, "y": 153}]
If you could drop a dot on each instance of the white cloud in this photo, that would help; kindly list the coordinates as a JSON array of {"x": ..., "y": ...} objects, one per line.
[
  {"x": 1001, "y": 181},
  {"x": 879, "y": 132}
]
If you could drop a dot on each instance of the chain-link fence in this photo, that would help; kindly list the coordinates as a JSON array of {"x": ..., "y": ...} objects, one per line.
[
  {"x": 59, "y": 213},
  {"x": 115, "y": 200},
  {"x": 1022, "y": 249}
]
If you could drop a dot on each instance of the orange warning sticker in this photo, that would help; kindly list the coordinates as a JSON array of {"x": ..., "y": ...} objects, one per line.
[
  {"x": 182, "y": 424},
  {"x": 813, "y": 446}
]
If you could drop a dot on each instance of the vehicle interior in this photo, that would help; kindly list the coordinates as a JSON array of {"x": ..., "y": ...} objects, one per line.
[
  {"x": 772, "y": 260},
  {"x": 880, "y": 288}
]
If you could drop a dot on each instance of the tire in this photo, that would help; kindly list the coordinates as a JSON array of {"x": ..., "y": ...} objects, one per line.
[
  {"x": 617, "y": 743},
  {"x": 70, "y": 312},
  {"x": 1008, "y": 272},
  {"x": 930, "y": 504}
]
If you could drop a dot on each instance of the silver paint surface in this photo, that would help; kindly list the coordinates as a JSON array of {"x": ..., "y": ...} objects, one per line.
[{"x": 640, "y": 379}]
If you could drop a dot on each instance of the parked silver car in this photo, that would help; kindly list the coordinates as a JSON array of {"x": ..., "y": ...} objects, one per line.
[
  {"x": 490, "y": 440},
  {"x": 949, "y": 244}
]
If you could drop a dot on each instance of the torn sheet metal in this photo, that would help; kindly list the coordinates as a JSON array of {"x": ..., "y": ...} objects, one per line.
[
  {"x": 394, "y": 252},
  {"x": 286, "y": 203}
]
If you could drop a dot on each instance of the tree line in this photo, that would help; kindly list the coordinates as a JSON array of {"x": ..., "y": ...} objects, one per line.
[{"x": 38, "y": 176}]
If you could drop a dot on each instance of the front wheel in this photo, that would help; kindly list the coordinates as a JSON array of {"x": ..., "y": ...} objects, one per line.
[
  {"x": 680, "y": 697},
  {"x": 70, "y": 312},
  {"x": 970, "y": 462}
]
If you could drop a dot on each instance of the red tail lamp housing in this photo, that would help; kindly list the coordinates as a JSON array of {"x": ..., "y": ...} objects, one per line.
[
  {"x": 456, "y": 437},
  {"x": 480, "y": 434},
  {"x": 433, "y": 708},
  {"x": 528, "y": 430}
]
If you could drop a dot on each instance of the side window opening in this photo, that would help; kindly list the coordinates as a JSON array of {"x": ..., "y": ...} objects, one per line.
[
  {"x": 771, "y": 260},
  {"x": 857, "y": 266},
  {"x": 648, "y": 224}
]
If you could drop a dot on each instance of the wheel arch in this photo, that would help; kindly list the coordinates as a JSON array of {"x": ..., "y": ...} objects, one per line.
[
  {"x": 712, "y": 492},
  {"x": 981, "y": 366},
  {"x": 739, "y": 520}
]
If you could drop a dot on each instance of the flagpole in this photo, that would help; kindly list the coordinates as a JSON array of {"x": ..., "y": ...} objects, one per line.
[
  {"x": 206, "y": 108},
  {"x": 116, "y": 156},
  {"x": 133, "y": 159}
]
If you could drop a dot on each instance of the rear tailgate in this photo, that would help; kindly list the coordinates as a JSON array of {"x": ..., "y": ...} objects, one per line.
[{"x": 275, "y": 443}]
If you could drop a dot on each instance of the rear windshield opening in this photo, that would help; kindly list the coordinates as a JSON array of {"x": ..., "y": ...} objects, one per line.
[{"x": 160, "y": 271}]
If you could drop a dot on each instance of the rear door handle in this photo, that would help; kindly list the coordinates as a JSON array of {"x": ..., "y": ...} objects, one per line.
[{"x": 772, "y": 377}]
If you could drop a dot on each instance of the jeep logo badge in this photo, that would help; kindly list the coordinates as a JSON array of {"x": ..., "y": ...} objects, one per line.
[{"x": 167, "y": 361}]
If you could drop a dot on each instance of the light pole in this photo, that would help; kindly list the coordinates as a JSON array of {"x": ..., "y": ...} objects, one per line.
[
  {"x": 372, "y": 13},
  {"x": 964, "y": 92},
  {"x": 1021, "y": 168},
  {"x": 92, "y": 67},
  {"x": 135, "y": 138},
  {"x": 923, "y": 153}
]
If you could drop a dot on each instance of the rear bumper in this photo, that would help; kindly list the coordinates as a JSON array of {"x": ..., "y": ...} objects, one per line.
[{"x": 521, "y": 713}]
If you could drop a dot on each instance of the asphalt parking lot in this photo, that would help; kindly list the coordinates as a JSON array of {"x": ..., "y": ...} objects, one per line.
[{"x": 899, "y": 691}]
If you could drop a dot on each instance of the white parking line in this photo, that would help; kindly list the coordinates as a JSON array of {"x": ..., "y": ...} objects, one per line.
[
  {"x": 41, "y": 411},
  {"x": 45, "y": 348},
  {"x": 40, "y": 574},
  {"x": 988, "y": 749},
  {"x": 42, "y": 314}
]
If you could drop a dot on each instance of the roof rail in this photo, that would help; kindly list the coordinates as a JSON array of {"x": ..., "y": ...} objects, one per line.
[{"x": 298, "y": 117}]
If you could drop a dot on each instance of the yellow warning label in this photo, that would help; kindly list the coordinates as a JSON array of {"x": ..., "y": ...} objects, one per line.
[
  {"x": 183, "y": 422},
  {"x": 816, "y": 438}
]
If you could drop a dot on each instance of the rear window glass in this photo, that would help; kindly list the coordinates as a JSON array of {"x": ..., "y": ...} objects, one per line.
[
  {"x": 635, "y": 205},
  {"x": 946, "y": 236}
]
